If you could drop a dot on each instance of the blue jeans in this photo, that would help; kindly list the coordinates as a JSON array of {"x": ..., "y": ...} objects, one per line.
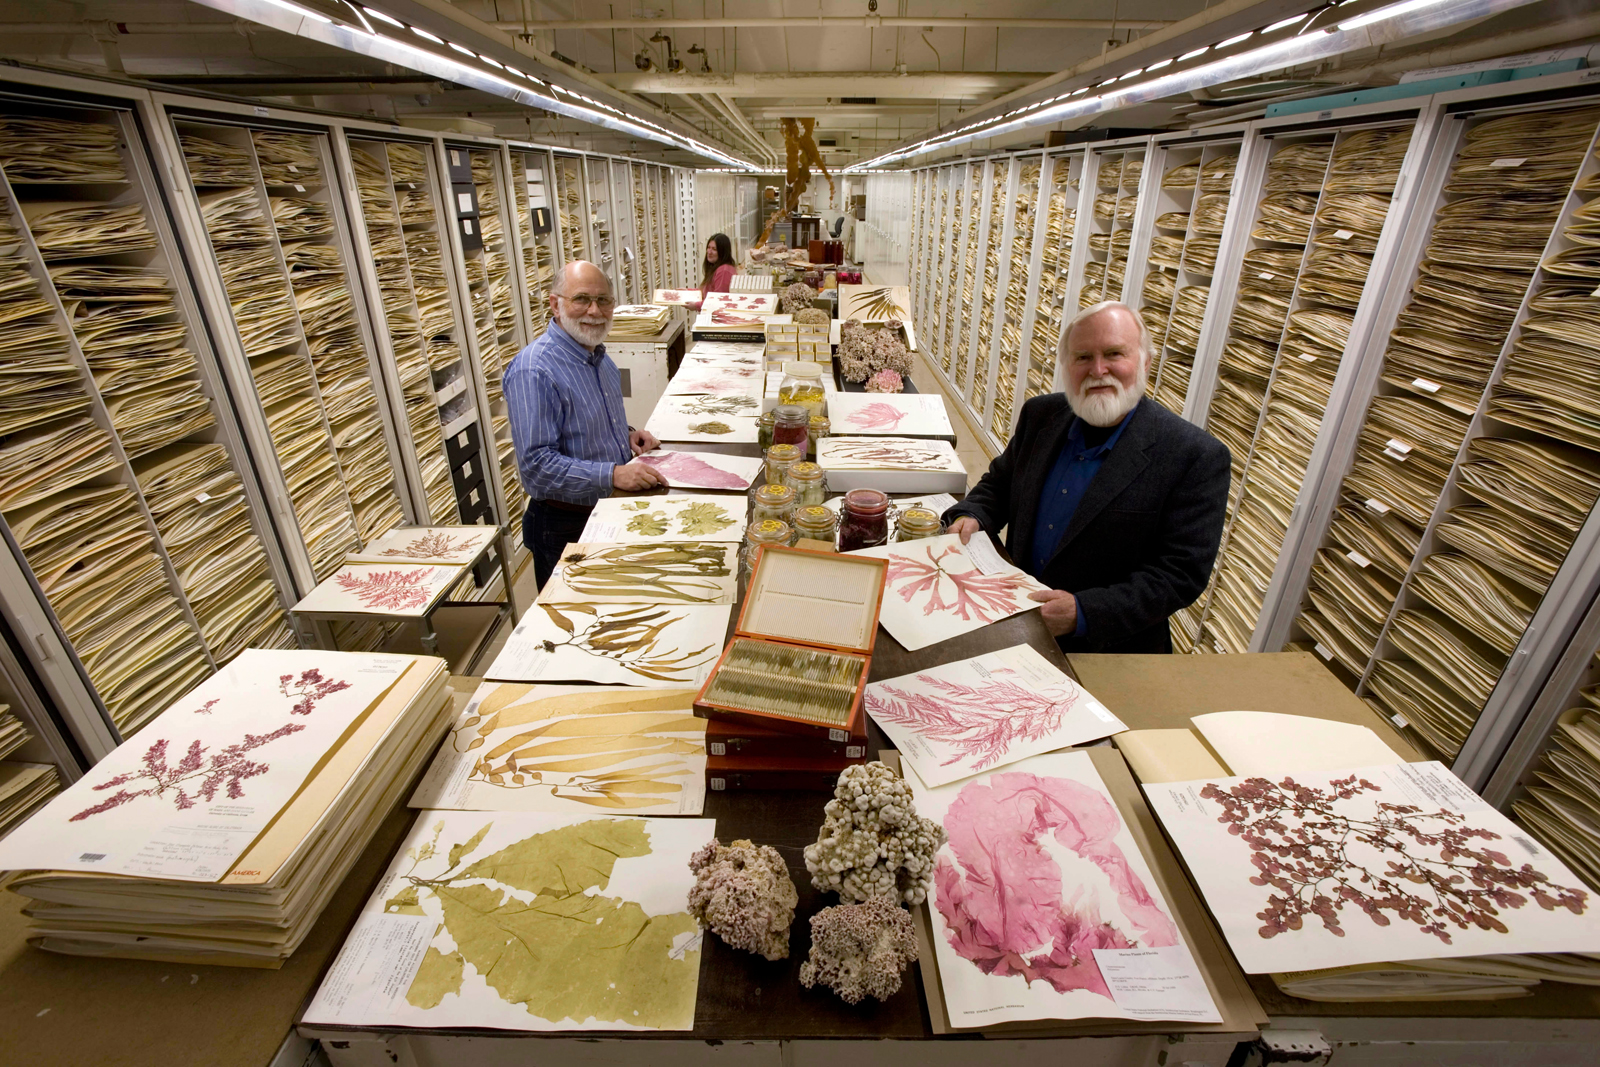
[{"x": 547, "y": 531}]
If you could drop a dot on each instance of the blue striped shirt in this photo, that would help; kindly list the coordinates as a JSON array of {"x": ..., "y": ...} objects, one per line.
[{"x": 567, "y": 421}]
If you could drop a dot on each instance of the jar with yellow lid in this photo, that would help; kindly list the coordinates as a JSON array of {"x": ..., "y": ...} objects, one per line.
[
  {"x": 758, "y": 534},
  {"x": 764, "y": 429},
  {"x": 779, "y": 459},
  {"x": 809, "y": 481},
  {"x": 821, "y": 426},
  {"x": 816, "y": 523},
  {"x": 913, "y": 524},
  {"x": 772, "y": 502}
]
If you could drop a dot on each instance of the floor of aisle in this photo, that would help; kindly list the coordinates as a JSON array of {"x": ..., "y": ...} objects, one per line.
[{"x": 970, "y": 447}]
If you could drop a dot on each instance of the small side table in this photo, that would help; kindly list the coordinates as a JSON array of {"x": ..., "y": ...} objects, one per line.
[{"x": 365, "y": 589}]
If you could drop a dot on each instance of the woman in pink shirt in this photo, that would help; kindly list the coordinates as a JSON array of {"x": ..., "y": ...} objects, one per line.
[{"x": 719, "y": 268}]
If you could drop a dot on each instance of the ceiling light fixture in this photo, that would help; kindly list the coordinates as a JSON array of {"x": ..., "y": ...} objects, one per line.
[
  {"x": 1284, "y": 23},
  {"x": 463, "y": 49},
  {"x": 381, "y": 17},
  {"x": 425, "y": 35},
  {"x": 298, "y": 10},
  {"x": 1158, "y": 66},
  {"x": 1195, "y": 52},
  {"x": 1410, "y": 18}
]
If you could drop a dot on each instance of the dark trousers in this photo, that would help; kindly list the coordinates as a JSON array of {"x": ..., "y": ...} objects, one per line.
[{"x": 546, "y": 531}]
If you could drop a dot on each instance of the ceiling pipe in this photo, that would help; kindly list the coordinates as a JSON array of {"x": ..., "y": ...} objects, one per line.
[
  {"x": 732, "y": 111},
  {"x": 716, "y": 120},
  {"x": 828, "y": 22},
  {"x": 1565, "y": 33},
  {"x": 91, "y": 27}
]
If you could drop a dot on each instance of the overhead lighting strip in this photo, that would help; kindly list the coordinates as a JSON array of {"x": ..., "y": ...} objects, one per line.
[
  {"x": 1380, "y": 26},
  {"x": 291, "y": 18}
]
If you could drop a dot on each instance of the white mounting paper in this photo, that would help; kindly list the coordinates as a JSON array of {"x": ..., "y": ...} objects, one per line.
[
  {"x": 451, "y": 545},
  {"x": 934, "y": 591},
  {"x": 905, "y": 414},
  {"x": 652, "y": 645},
  {"x": 622, "y": 519},
  {"x": 703, "y": 470},
  {"x": 406, "y": 590}
]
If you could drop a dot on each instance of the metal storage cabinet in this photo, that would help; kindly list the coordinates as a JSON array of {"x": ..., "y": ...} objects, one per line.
[
  {"x": 571, "y": 211},
  {"x": 1308, "y": 245},
  {"x": 1016, "y": 293},
  {"x": 124, "y": 479},
  {"x": 1046, "y": 314},
  {"x": 597, "y": 220}
]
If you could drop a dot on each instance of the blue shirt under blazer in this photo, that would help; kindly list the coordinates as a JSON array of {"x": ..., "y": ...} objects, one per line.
[
  {"x": 1143, "y": 536},
  {"x": 567, "y": 421}
]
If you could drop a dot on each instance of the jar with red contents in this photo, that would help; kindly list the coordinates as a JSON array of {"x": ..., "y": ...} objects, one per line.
[
  {"x": 863, "y": 520},
  {"x": 791, "y": 425}
]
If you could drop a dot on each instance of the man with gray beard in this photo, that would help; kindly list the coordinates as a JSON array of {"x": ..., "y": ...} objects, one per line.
[
  {"x": 572, "y": 438},
  {"x": 1107, "y": 497}
]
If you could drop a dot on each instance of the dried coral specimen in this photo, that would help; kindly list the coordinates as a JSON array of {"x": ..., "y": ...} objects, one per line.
[
  {"x": 872, "y": 842},
  {"x": 859, "y": 950},
  {"x": 743, "y": 894}
]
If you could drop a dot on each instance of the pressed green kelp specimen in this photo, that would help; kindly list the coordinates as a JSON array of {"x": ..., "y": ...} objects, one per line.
[
  {"x": 702, "y": 519},
  {"x": 569, "y": 952},
  {"x": 710, "y": 427},
  {"x": 686, "y": 571},
  {"x": 627, "y": 635},
  {"x": 649, "y": 523}
]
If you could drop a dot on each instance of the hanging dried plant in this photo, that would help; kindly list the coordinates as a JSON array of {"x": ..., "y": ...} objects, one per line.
[{"x": 801, "y": 149}]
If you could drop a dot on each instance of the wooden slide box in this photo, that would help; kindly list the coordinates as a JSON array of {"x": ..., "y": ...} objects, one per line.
[
  {"x": 725, "y": 738},
  {"x": 805, "y": 601},
  {"x": 746, "y": 773}
]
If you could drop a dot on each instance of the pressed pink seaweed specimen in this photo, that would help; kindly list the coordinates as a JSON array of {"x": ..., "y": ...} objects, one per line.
[
  {"x": 431, "y": 546},
  {"x": 389, "y": 589},
  {"x": 982, "y": 724},
  {"x": 225, "y": 771},
  {"x": 309, "y": 688},
  {"x": 877, "y": 416},
  {"x": 979, "y": 597},
  {"x": 1006, "y": 899},
  {"x": 1320, "y": 860},
  {"x": 685, "y": 468}
]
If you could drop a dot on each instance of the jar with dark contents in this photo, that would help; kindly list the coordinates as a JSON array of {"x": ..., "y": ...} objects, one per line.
[
  {"x": 772, "y": 502},
  {"x": 913, "y": 524},
  {"x": 790, "y": 425},
  {"x": 810, "y": 483},
  {"x": 757, "y": 534},
  {"x": 820, "y": 427},
  {"x": 764, "y": 429},
  {"x": 863, "y": 520},
  {"x": 780, "y": 458},
  {"x": 816, "y": 523}
]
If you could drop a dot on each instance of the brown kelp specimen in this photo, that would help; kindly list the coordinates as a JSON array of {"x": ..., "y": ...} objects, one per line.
[
  {"x": 627, "y": 635},
  {"x": 877, "y": 304},
  {"x": 801, "y": 148},
  {"x": 605, "y": 749},
  {"x": 713, "y": 426},
  {"x": 686, "y": 571}
]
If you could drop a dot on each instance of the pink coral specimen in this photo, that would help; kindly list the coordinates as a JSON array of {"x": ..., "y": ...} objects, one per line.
[
  {"x": 859, "y": 950},
  {"x": 886, "y": 381},
  {"x": 877, "y": 416},
  {"x": 1006, "y": 900},
  {"x": 979, "y": 597},
  {"x": 744, "y": 894},
  {"x": 686, "y": 468}
]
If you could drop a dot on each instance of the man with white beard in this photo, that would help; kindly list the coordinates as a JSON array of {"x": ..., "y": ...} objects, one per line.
[
  {"x": 564, "y": 397},
  {"x": 1107, "y": 497}
]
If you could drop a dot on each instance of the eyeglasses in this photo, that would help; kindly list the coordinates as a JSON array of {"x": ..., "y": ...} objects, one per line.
[{"x": 583, "y": 301}]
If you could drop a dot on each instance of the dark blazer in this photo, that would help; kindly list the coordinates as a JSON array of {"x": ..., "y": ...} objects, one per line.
[{"x": 1142, "y": 542}]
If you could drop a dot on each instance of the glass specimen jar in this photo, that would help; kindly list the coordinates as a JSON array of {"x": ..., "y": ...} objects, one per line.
[
  {"x": 764, "y": 429},
  {"x": 802, "y": 387},
  {"x": 772, "y": 502},
  {"x": 819, "y": 428},
  {"x": 779, "y": 459},
  {"x": 863, "y": 520},
  {"x": 816, "y": 522},
  {"x": 809, "y": 482},
  {"x": 789, "y": 426},
  {"x": 913, "y": 524},
  {"x": 765, "y": 532}
]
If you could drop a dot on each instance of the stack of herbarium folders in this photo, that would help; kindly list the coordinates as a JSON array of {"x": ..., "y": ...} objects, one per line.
[{"x": 220, "y": 833}]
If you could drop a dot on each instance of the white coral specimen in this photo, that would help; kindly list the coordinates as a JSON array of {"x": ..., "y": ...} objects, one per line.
[
  {"x": 797, "y": 296},
  {"x": 859, "y": 950},
  {"x": 872, "y": 842},
  {"x": 813, "y": 316},
  {"x": 744, "y": 894}
]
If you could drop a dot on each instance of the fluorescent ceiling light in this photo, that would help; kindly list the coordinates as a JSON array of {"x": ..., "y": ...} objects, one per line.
[
  {"x": 1234, "y": 40},
  {"x": 1158, "y": 66},
  {"x": 1131, "y": 74},
  {"x": 426, "y": 35},
  {"x": 1281, "y": 23},
  {"x": 1389, "y": 12},
  {"x": 1078, "y": 92},
  {"x": 1196, "y": 52},
  {"x": 494, "y": 62},
  {"x": 381, "y": 17},
  {"x": 463, "y": 50},
  {"x": 302, "y": 12}
]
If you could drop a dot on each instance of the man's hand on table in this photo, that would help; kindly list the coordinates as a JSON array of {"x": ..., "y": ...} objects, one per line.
[
  {"x": 642, "y": 441},
  {"x": 965, "y": 527},
  {"x": 1060, "y": 610},
  {"x": 634, "y": 477}
]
